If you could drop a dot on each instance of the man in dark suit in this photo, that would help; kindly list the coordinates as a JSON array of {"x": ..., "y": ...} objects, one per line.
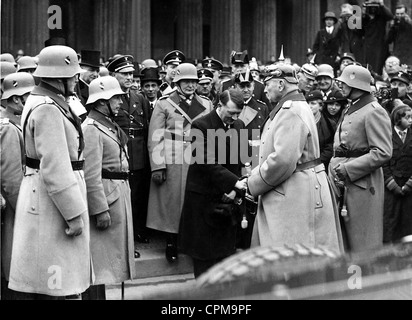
[
  {"x": 240, "y": 63},
  {"x": 133, "y": 118},
  {"x": 328, "y": 41},
  {"x": 210, "y": 216},
  {"x": 90, "y": 61}
]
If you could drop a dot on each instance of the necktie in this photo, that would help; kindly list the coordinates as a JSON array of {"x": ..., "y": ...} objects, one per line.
[{"x": 402, "y": 134}]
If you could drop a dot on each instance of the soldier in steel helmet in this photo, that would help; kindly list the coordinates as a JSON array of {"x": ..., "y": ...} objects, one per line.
[
  {"x": 17, "y": 87},
  {"x": 362, "y": 144},
  {"x": 169, "y": 144},
  {"x": 108, "y": 192},
  {"x": 51, "y": 245}
]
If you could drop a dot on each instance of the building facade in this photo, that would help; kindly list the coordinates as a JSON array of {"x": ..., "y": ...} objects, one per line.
[{"x": 151, "y": 28}]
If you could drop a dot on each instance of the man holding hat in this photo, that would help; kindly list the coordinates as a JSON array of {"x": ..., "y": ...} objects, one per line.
[
  {"x": 328, "y": 41},
  {"x": 362, "y": 144},
  {"x": 90, "y": 62},
  {"x": 240, "y": 63},
  {"x": 170, "y": 63},
  {"x": 289, "y": 166},
  {"x": 133, "y": 118},
  {"x": 17, "y": 87}
]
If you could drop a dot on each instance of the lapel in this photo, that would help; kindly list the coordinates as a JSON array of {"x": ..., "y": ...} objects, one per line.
[
  {"x": 217, "y": 123},
  {"x": 108, "y": 127},
  {"x": 248, "y": 114},
  {"x": 195, "y": 108},
  {"x": 396, "y": 139},
  {"x": 13, "y": 119}
]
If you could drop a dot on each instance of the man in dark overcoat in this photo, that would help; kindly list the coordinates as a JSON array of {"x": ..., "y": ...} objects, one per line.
[{"x": 209, "y": 218}]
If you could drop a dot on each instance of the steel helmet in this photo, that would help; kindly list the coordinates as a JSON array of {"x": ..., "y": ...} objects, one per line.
[
  {"x": 103, "y": 88},
  {"x": 186, "y": 71},
  {"x": 58, "y": 62},
  {"x": 6, "y": 68},
  {"x": 325, "y": 70},
  {"x": 17, "y": 84},
  {"x": 26, "y": 62},
  {"x": 7, "y": 57},
  {"x": 357, "y": 77}
]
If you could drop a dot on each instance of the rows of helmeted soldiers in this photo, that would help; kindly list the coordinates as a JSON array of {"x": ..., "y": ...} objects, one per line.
[{"x": 109, "y": 106}]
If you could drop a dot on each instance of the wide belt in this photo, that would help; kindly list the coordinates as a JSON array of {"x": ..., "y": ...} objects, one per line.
[
  {"x": 115, "y": 175},
  {"x": 350, "y": 153},
  {"x": 135, "y": 132},
  {"x": 308, "y": 165},
  {"x": 35, "y": 164}
]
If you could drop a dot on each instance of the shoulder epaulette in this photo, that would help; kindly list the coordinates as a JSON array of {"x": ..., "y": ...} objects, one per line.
[
  {"x": 261, "y": 102},
  {"x": 164, "y": 97},
  {"x": 226, "y": 80},
  {"x": 258, "y": 81},
  {"x": 287, "y": 104},
  {"x": 375, "y": 104}
]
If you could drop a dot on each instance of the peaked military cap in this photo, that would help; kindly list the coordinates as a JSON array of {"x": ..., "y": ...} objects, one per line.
[
  {"x": 121, "y": 64},
  {"x": 348, "y": 55},
  {"x": 226, "y": 72},
  {"x": 211, "y": 63},
  {"x": 282, "y": 71},
  {"x": 90, "y": 58},
  {"x": 174, "y": 57},
  {"x": 402, "y": 76},
  {"x": 204, "y": 75},
  {"x": 239, "y": 57}
]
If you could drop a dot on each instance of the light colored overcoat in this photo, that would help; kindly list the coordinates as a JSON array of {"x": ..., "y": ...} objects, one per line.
[
  {"x": 112, "y": 249},
  {"x": 169, "y": 150},
  {"x": 45, "y": 259},
  {"x": 11, "y": 174},
  {"x": 365, "y": 126},
  {"x": 295, "y": 207}
]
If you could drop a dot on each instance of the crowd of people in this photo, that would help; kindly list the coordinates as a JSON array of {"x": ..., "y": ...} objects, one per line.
[{"x": 96, "y": 155}]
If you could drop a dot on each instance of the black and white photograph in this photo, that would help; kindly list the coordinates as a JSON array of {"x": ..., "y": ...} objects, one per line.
[{"x": 203, "y": 158}]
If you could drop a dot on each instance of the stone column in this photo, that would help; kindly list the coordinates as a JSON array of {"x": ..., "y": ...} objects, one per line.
[
  {"x": 140, "y": 41},
  {"x": 306, "y": 22},
  {"x": 189, "y": 28},
  {"x": 225, "y": 30},
  {"x": 264, "y": 31},
  {"x": 24, "y": 25}
]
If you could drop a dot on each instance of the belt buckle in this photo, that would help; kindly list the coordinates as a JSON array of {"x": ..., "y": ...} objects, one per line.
[{"x": 131, "y": 135}]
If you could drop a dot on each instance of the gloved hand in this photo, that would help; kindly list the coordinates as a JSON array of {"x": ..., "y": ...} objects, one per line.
[
  {"x": 395, "y": 188},
  {"x": 398, "y": 191},
  {"x": 341, "y": 172},
  {"x": 159, "y": 176},
  {"x": 76, "y": 226},
  {"x": 406, "y": 189},
  {"x": 103, "y": 220}
]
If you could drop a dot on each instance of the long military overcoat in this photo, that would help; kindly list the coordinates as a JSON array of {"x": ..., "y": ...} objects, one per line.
[
  {"x": 168, "y": 130},
  {"x": 365, "y": 126},
  {"x": 11, "y": 174},
  {"x": 295, "y": 207},
  {"x": 112, "y": 249},
  {"x": 45, "y": 259}
]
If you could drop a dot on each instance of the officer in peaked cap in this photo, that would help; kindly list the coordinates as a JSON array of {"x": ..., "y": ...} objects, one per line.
[
  {"x": 307, "y": 77},
  {"x": 240, "y": 63},
  {"x": 282, "y": 71},
  {"x": 216, "y": 67},
  {"x": 205, "y": 84},
  {"x": 401, "y": 82},
  {"x": 170, "y": 62},
  {"x": 90, "y": 62},
  {"x": 133, "y": 117}
]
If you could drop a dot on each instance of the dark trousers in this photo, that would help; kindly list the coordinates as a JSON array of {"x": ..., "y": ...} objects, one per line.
[
  {"x": 97, "y": 292},
  {"x": 201, "y": 266},
  {"x": 139, "y": 181}
]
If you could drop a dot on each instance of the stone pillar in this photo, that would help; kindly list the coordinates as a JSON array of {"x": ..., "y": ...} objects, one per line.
[
  {"x": 306, "y": 22},
  {"x": 225, "y": 30},
  {"x": 189, "y": 28},
  {"x": 140, "y": 41},
  {"x": 264, "y": 32},
  {"x": 24, "y": 26}
]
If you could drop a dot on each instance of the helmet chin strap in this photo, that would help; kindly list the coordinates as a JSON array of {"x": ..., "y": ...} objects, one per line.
[{"x": 111, "y": 113}]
